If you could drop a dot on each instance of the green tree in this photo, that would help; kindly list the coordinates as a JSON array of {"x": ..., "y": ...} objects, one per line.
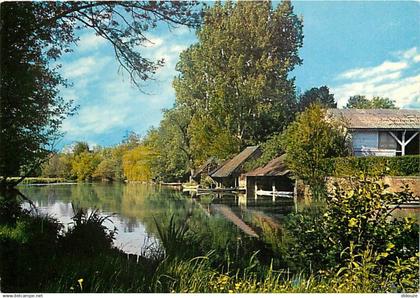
[
  {"x": 362, "y": 102},
  {"x": 80, "y": 147},
  {"x": 236, "y": 76},
  {"x": 272, "y": 148},
  {"x": 106, "y": 170},
  {"x": 59, "y": 165},
  {"x": 210, "y": 139},
  {"x": 319, "y": 95},
  {"x": 131, "y": 140},
  {"x": 30, "y": 110},
  {"x": 36, "y": 33},
  {"x": 84, "y": 165},
  {"x": 172, "y": 160},
  {"x": 308, "y": 140}
]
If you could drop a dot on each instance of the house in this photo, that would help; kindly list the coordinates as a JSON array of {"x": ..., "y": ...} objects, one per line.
[
  {"x": 227, "y": 175},
  {"x": 381, "y": 132},
  {"x": 273, "y": 178},
  {"x": 205, "y": 170}
]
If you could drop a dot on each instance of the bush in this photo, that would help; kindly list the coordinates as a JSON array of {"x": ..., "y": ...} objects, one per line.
[
  {"x": 408, "y": 165},
  {"x": 359, "y": 219},
  {"x": 88, "y": 235},
  {"x": 308, "y": 141}
]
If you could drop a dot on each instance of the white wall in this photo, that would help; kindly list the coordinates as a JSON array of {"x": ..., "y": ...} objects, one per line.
[{"x": 367, "y": 143}]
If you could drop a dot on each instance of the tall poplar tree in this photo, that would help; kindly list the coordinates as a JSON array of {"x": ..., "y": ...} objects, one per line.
[{"x": 236, "y": 77}]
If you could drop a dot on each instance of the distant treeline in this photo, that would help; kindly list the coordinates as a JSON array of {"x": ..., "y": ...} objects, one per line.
[{"x": 128, "y": 160}]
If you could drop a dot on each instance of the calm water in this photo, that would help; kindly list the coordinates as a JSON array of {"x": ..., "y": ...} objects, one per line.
[{"x": 134, "y": 207}]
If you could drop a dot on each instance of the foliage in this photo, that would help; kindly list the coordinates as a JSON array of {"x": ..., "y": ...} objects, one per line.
[
  {"x": 58, "y": 166},
  {"x": 84, "y": 165},
  {"x": 80, "y": 147},
  {"x": 309, "y": 140},
  {"x": 90, "y": 226},
  {"x": 376, "y": 102},
  {"x": 272, "y": 148},
  {"x": 33, "y": 34},
  {"x": 356, "y": 220},
  {"x": 171, "y": 160},
  {"x": 173, "y": 238},
  {"x": 210, "y": 139},
  {"x": 235, "y": 79},
  {"x": 137, "y": 164},
  {"x": 321, "y": 96},
  {"x": 407, "y": 165},
  {"x": 31, "y": 111},
  {"x": 106, "y": 170}
]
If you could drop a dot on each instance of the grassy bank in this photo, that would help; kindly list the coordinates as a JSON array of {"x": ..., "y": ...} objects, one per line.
[{"x": 40, "y": 180}]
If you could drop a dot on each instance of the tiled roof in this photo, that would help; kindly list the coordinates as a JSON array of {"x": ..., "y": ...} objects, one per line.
[
  {"x": 276, "y": 167},
  {"x": 233, "y": 165},
  {"x": 378, "y": 118}
]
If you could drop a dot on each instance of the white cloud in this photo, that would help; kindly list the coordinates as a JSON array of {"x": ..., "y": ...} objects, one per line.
[
  {"x": 90, "y": 42},
  {"x": 109, "y": 104},
  {"x": 85, "y": 66},
  {"x": 383, "y": 69},
  {"x": 154, "y": 42},
  {"x": 398, "y": 80}
]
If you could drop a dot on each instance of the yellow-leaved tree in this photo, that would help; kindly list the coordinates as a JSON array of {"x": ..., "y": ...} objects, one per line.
[{"x": 137, "y": 163}]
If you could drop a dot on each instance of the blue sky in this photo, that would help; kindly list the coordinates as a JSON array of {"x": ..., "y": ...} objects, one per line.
[{"x": 369, "y": 48}]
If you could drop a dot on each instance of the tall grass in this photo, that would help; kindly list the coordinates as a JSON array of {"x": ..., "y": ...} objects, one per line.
[{"x": 173, "y": 237}]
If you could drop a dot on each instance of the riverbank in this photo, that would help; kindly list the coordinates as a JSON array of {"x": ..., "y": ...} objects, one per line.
[
  {"x": 41, "y": 180},
  {"x": 296, "y": 256}
]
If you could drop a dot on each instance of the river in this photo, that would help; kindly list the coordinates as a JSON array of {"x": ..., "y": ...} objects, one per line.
[{"x": 134, "y": 207}]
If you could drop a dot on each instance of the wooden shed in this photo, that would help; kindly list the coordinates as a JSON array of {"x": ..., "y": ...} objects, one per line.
[
  {"x": 227, "y": 175},
  {"x": 205, "y": 169},
  {"x": 381, "y": 132},
  {"x": 272, "y": 179}
]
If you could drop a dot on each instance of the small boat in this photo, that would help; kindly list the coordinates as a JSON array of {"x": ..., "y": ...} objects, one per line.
[{"x": 190, "y": 187}]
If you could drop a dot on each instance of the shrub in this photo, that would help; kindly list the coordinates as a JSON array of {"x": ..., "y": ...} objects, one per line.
[
  {"x": 308, "y": 141},
  {"x": 88, "y": 235},
  {"x": 360, "y": 218},
  {"x": 408, "y": 165}
]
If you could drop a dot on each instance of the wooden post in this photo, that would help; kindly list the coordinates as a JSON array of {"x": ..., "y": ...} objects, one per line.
[
  {"x": 403, "y": 143},
  {"x": 255, "y": 188},
  {"x": 273, "y": 184}
]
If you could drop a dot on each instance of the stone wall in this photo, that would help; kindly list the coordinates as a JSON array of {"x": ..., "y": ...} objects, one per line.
[{"x": 395, "y": 184}]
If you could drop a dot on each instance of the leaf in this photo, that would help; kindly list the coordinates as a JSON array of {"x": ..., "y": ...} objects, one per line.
[
  {"x": 352, "y": 222},
  {"x": 389, "y": 246}
]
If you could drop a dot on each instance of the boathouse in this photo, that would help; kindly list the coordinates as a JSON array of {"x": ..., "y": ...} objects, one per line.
[
  {"x": 227, "y": 175},
  {"x": 381, "y": 132},
  {"x": 205, "y": 170},
  {"x": 271, "y": 179}
]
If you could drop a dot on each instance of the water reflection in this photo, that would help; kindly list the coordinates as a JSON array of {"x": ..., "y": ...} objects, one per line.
[{"x": 220, "y": 217}]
